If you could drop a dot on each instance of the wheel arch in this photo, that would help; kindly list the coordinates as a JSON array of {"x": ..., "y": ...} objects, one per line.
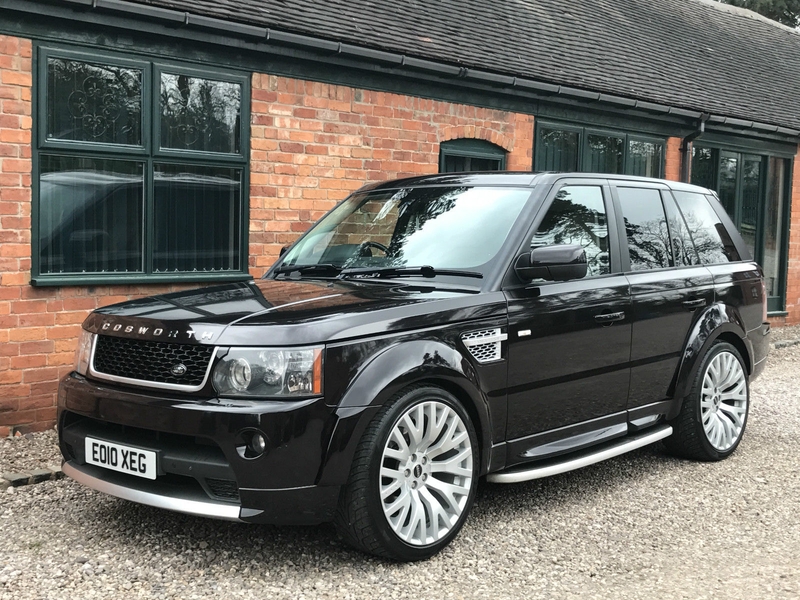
[
  {"x": 718, "y": 322},
  {"x": 392, "y": 371}
]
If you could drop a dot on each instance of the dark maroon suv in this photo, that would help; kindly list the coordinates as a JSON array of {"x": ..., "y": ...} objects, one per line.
[{"x": 426, "y": 333}]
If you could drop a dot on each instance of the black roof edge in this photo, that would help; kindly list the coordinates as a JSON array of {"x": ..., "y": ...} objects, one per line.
[
  {"x": 440, "y": 68},
  {"x": 370, "y": 54},
  {"x": 239, "y": 28},
  {"x": 144, "y": 10}
]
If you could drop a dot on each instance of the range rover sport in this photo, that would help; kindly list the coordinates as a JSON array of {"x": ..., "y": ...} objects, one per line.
[{"x": 425, "y": 333}]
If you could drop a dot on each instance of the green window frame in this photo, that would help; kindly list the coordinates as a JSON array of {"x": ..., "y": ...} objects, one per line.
[
  {"x": 577, "y": 148},
  {"x": 736, "y": 175},
  {"x": 182, "y": 206},
  {"x": 468, "y": 154}
]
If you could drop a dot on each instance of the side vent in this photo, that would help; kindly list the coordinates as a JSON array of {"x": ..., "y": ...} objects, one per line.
[{"x": 484, "y": 345}]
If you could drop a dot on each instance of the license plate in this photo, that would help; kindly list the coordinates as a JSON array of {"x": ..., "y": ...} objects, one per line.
[{"x": 133, "y": 461}]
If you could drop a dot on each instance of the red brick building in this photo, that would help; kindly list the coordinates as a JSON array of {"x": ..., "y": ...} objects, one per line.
[{"x": 148, "y": 146}]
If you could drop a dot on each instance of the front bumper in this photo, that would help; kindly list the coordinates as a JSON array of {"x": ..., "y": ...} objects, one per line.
[
  {"x": 200, "y": 464},
  {"x": 94, "y": 478}
]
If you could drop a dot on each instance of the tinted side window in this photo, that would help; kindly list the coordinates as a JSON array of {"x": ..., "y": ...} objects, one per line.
[
  {"x": 646, "y": 228},
  {"x": 578, "y": 216},
  {"x": 711, "y": 240},
  {"x": 682, "y": 246}
]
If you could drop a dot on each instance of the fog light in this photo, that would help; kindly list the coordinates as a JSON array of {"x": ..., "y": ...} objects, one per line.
[
  {"x": 258, "y": 443},
  {"x": 251, "y": 443}
]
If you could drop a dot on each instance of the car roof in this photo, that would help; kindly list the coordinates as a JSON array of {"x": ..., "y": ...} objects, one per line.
[{"x": 519, "y": 179}]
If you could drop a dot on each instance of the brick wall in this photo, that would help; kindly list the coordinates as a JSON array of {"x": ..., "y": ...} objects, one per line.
[
  {"x": 313, "y": 143},
  {"x": 38, "y": 326},
  {"x": 672, "y": 161},
  {"x": 23, "y": 347}
]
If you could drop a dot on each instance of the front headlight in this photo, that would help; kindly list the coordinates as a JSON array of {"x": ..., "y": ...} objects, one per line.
[
  {"x": 269, "y": 372},
  {"x": 83, "y": 353}
]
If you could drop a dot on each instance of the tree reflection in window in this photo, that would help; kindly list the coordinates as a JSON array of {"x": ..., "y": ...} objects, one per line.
[
  {"x": 445, "y": 228},
  {"x": 645, "y": 228},
  {"x": 200, "y": 114},
  {"x": 91, "y": 102},
  {"x": 682, "y": 246},
  {"x": 711, "y": 240},
  {"x": 605, "y": 153},
  {"x": 577, "y": 216}
]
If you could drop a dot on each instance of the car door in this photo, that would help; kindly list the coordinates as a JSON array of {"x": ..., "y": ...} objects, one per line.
[
  {"x": 669, "y": 289},
  {"x": 569, "y": 341}
]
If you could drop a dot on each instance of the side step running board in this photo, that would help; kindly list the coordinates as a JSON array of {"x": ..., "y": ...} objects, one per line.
[{"x": 571, "y": 463}]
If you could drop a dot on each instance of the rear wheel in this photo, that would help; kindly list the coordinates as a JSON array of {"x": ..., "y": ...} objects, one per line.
[
  {"x": 714, "y": 414},
  {"x": 413, "y": 478}
]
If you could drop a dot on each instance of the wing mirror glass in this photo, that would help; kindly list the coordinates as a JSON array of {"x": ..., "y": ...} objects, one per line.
[{"x": 560, "y": 262}]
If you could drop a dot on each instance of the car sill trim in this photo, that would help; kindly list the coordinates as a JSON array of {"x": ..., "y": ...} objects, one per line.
[
  {"x": 615, "y": 449},
  {"x": 213, "y": 510}
]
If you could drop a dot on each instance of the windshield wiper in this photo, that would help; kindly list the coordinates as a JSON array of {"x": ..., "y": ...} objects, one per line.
[
  {"x": 392, "y": 272},
  {"x": 321, "y": 268}
]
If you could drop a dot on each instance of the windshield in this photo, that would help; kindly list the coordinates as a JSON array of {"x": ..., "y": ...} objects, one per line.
[{"x": 439, "y": 227}]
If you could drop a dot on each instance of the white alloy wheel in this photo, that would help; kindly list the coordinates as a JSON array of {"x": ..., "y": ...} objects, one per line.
[
  {"x": 723, "y": 401},
  {"x": 426, "y": 473}
]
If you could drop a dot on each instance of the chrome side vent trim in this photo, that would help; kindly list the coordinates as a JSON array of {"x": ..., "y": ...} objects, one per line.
[{"x": 484, "y": 345}]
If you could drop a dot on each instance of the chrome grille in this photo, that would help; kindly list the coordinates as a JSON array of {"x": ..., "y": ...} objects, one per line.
[
  {"x": 484, "y": 345},
  {"x": 148, "y": 361}
]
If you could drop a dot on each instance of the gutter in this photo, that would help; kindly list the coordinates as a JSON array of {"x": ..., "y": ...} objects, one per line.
[{"x": 252, "y": 33}]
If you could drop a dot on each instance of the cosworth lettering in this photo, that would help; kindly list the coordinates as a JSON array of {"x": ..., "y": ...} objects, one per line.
[
  {"x": 158, "y": 331},
  {"x": 124, "y": 459}
]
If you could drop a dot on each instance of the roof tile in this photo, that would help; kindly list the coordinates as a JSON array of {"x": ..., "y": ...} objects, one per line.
[{"x": 694, "y": 54}]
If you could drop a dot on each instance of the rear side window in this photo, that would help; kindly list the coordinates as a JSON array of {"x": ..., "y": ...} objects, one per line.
[
  {"x": 645, "y": 228},
  {"x": 711, "y": 240},
  {"x": 578, "y": 216},
  {"x": 682, "y": 246}
]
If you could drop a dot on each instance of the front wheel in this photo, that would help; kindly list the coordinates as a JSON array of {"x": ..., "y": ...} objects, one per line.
[
  {"x": 714, "y": 414},
  {"x": 413, "y": 477}
]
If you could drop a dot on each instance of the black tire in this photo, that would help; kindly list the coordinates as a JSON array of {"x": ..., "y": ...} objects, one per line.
[
  {"x": 689, "y": 438},
  {"x": 360, "y": 518}
]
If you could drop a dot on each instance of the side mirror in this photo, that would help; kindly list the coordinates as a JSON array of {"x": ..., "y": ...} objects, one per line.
[
  {"x": 560, "y": 262},
  {"x": 283, "y": 251}
]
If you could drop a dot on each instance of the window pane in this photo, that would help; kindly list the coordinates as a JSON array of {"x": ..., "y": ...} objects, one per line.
[
  {"x": 704, "y": 165},
  {"x": 682, "y": 246},
  {"x": 455, "y": 164},
  {"x": 605, "y": 154},
  {"x": 645, "y": 158},
  {"x": 774, "y": 224},
  {"x": 483, "y": 164},
  {"x": 90, "y": 215},
  {"x": 92, "y": 102},
  {"x": 197, "y": 218},
  {"x": 558, "y": 150},
  {"x": 200, "y": 114},
  {"x": 578, "y": 216},
  {"x": 646, "y": 228},
  {"x": 728, "y": 169},
  {"x": 711, "y": 239},
  {"x": 751, "y": 191}
]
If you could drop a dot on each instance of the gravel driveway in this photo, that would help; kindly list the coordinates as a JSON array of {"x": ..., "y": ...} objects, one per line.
[{"x": 643, "y": 525}]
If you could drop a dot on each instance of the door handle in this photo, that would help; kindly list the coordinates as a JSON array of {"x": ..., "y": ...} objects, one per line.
[
  {"x": 692, "y": 304},
  {"x": 609, "y": 318}
]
